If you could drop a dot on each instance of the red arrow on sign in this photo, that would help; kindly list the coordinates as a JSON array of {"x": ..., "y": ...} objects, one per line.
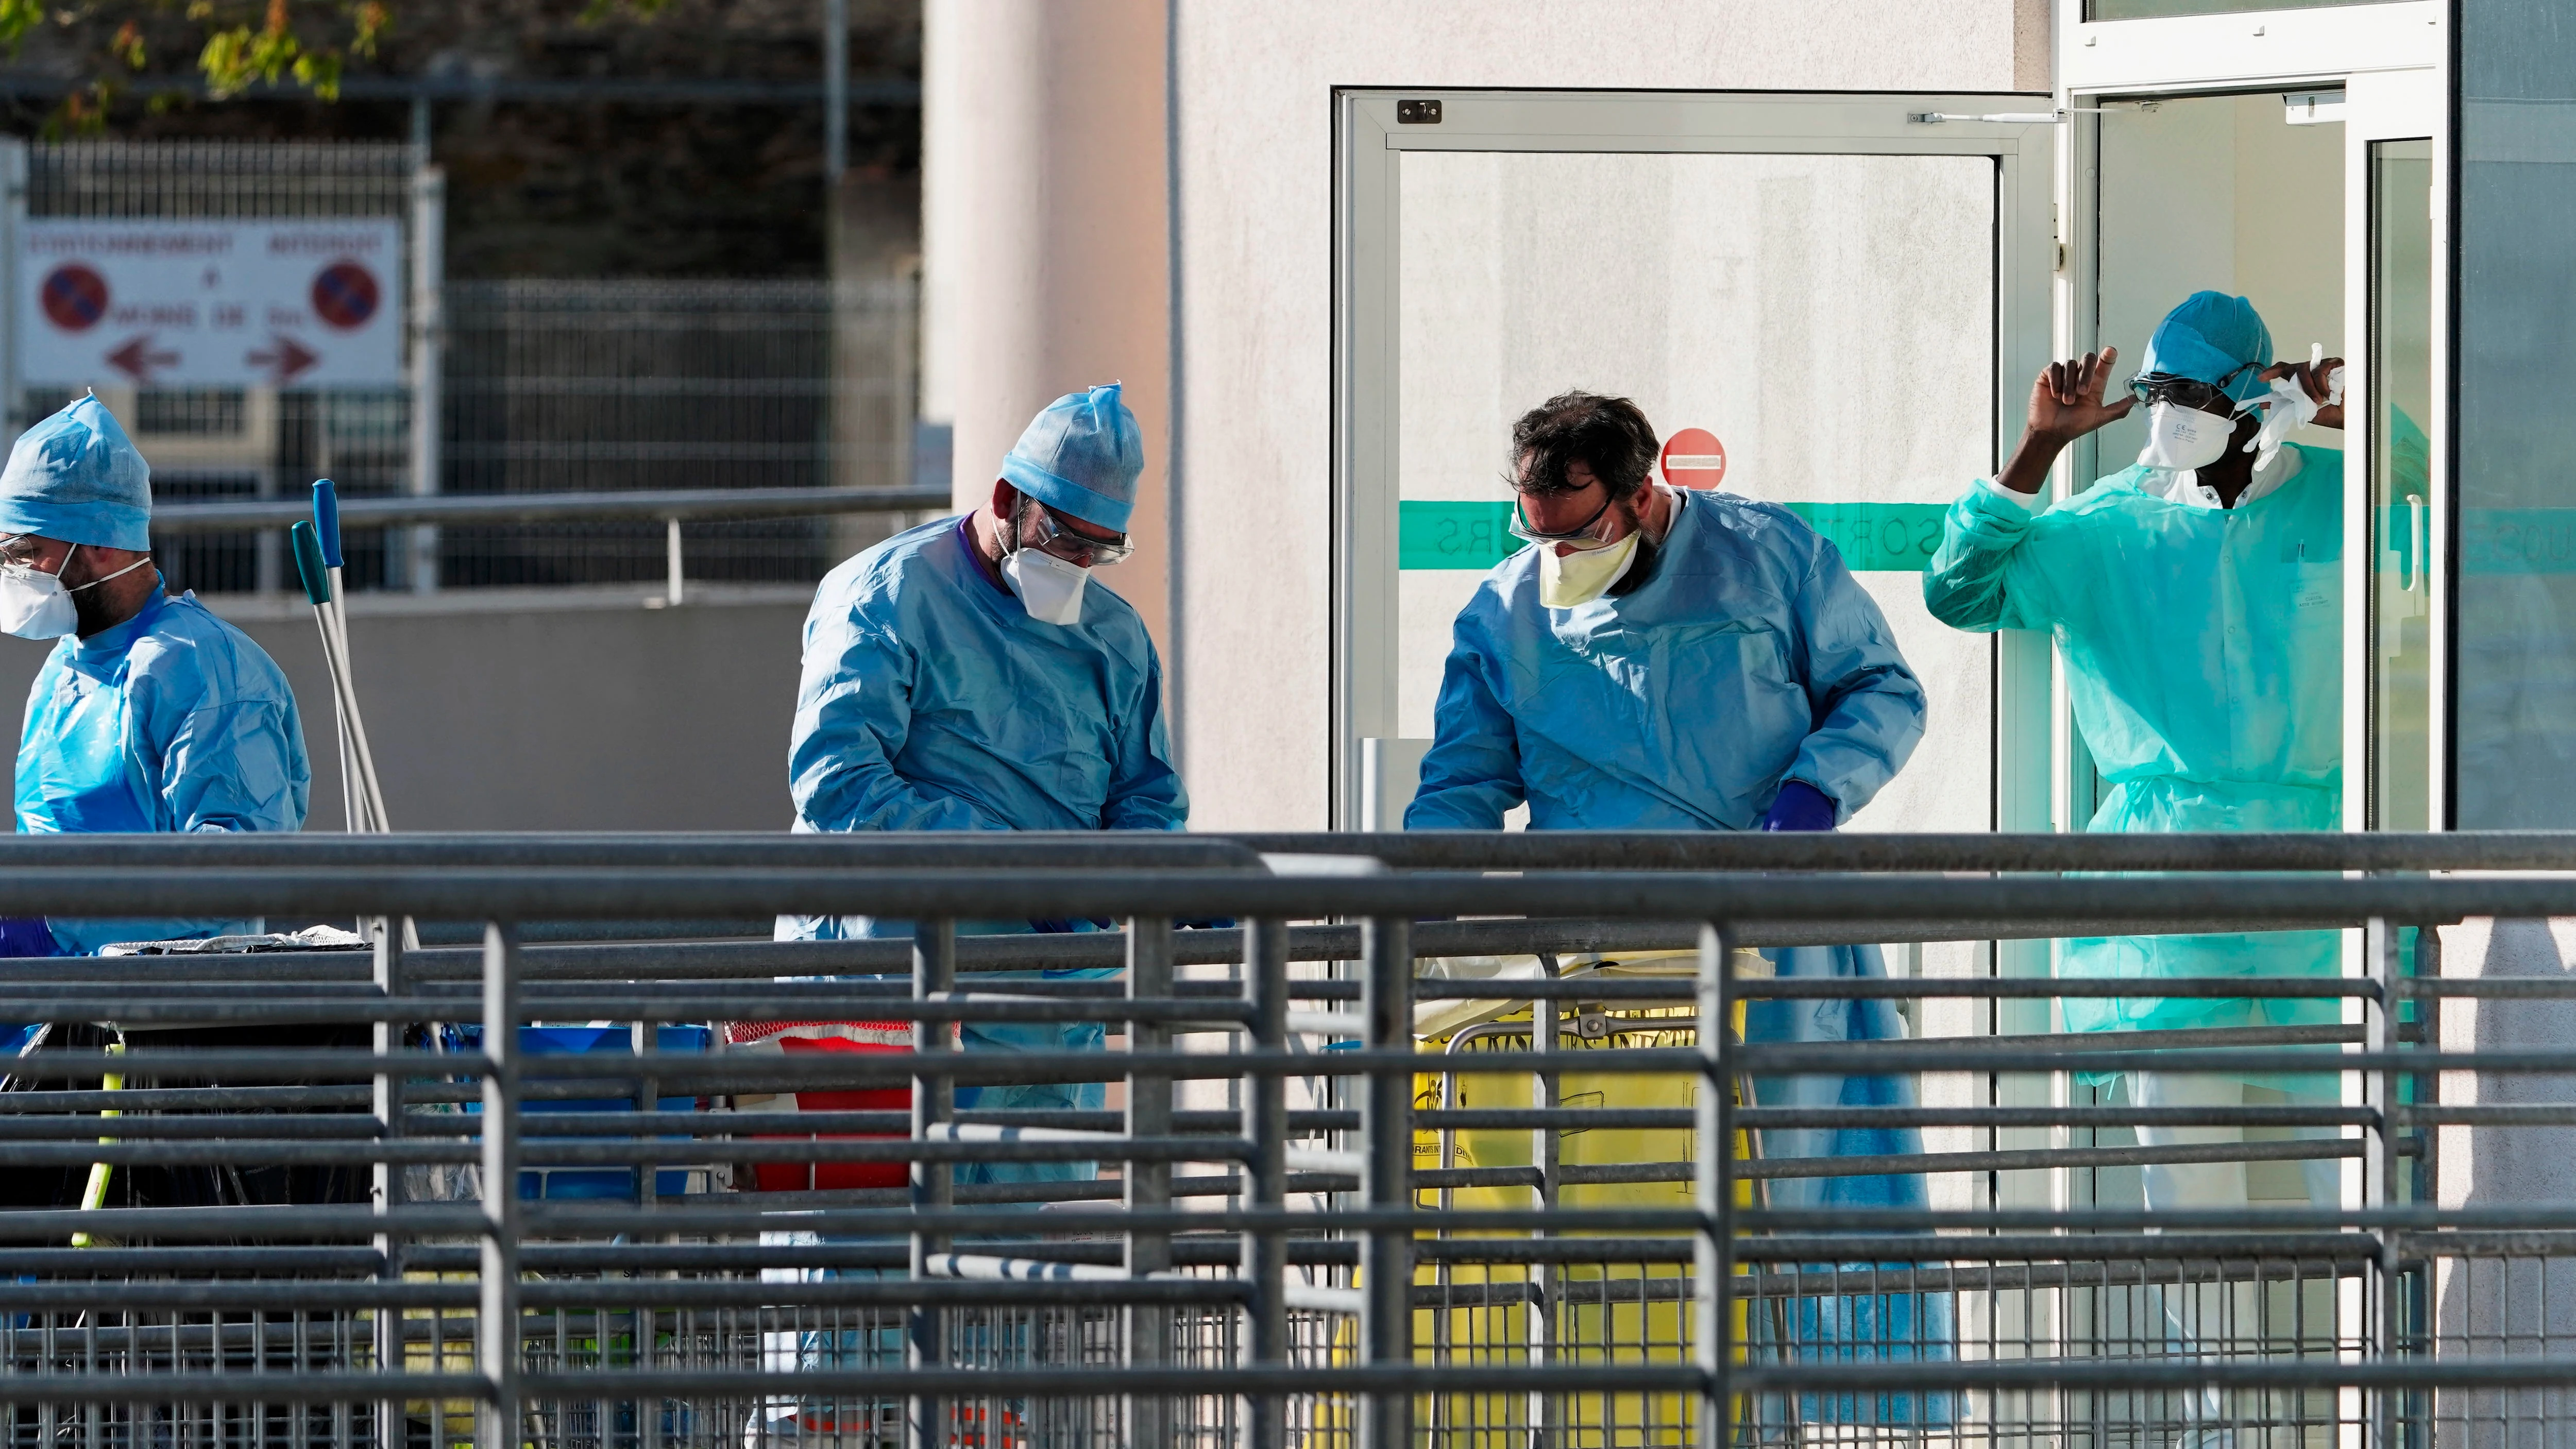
[
  {"x": 285, "y": 358},
  {"x": 136, "y": 359}
]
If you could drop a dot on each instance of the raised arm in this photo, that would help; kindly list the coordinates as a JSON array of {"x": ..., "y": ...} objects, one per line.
[{"x": 1968, "y": 585}]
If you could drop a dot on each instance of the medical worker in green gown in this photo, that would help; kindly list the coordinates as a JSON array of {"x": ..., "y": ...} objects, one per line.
[{"x": 2196, "y": 598}]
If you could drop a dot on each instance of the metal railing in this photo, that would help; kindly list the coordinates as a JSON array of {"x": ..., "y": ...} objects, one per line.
[
  {"x": 671, "y": 509},
  {"x": 1293, "y": 1222}
]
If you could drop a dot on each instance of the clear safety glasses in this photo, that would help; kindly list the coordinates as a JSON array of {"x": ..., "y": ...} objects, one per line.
[
  {"x": 1057, "y": 539},
  {"x": 2189, "y": 392},
  {"x": 1584, "y": 536}
]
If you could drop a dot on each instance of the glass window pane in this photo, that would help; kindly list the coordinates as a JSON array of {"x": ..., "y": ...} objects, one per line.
[
  {"x": 1830, "y": 319},
  {"x": 2158, "y": 9},
  {"x": 2401, "y": 399},
  {"x": 2514, "y": 690}
]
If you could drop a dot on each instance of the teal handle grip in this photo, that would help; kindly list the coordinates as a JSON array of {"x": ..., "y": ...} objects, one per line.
[
  {"x": 326, "y": 519},
  {"x": 308, "y": 563}
]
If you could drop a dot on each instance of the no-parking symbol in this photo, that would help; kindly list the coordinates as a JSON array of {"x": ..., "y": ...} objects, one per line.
[
  {"x": 345, "y": 295},
  {"x": 75, "y": 297}
]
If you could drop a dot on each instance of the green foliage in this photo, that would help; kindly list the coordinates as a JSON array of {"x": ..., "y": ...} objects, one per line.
[{"x": 306, "y": 44}]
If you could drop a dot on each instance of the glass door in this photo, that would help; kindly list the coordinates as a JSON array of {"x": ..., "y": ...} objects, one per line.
[
  {"x": 1830, "y": 302},
  {"x": 2393, "y": 404}
]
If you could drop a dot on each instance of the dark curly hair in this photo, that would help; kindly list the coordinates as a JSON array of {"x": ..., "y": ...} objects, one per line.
[{"x": 1609, "y": 435}]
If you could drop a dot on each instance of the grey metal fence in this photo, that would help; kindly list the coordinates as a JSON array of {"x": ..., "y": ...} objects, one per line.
[
  {"x": 1290, "y": 1212},
  {"x": 560, "y": 386},
  {"x": 544, "y": 386}
]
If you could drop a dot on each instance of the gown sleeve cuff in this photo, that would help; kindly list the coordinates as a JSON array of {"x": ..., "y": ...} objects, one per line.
[{"x": 2028, "y": 503}]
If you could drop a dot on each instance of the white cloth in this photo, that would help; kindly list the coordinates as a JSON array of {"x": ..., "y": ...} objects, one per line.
[{"x": 2189, "y": 1185}]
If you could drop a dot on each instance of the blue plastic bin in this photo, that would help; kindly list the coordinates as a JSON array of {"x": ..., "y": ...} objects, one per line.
[{"x": 594, "y": 1182}]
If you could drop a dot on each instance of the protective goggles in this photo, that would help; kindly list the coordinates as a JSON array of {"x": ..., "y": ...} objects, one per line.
[
  {"x": 2188, "y": 392},
  {"x": 1584, "y": 536},
  {"x": 1073, "y": 548}
]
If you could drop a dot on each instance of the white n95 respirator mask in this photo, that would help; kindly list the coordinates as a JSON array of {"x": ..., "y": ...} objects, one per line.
[
  {"x": 1565, "y": 580},
  {"x": 2181, "y": 437},
  {"x": 1049, "y": 588},
  {"x": 35, "y": 605}
]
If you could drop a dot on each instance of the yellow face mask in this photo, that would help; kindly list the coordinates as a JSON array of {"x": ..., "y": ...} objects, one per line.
[{"x": 1579, "y": 578}]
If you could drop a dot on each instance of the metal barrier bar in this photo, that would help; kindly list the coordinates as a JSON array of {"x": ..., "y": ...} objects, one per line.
[
  {"x": 496, "y": 1346},
  {"x": 934, "y": 971},
  {"x": 475, "y": 508},
  {"x": 1694, "y": 850},
  {"x": 1714, "y": 1248},
  {"x": 1148, "y": 1185},
  {"x": 650, "y": 1319},
  {"x": 1386, "y": 1113},
  {"x": 1265, "y": 1130},
  {"x": 1854, "y": 904}
]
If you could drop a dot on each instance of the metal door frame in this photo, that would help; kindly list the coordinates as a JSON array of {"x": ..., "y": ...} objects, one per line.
[
  {"x": 2392, "y": 61},
  {"x": 1369, "y": 139}
]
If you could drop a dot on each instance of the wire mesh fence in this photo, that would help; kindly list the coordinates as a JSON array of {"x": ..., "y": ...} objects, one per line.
[
  {"x": 544, "y": 386},
  {"x": 556, "y": 386},
  {"x": 1317, "y": 1182}
]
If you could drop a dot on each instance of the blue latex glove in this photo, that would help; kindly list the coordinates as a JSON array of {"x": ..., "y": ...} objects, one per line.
[
  {"x": 1800, "y": 806},
  {"x": 26, "y": 936}
]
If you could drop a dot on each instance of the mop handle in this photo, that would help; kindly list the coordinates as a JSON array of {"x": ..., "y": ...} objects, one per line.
[
  {"x": 316, "y": 579},
  {"x": 326, "y": 521},
  {"x": 94, "y": 1196},
  {"x": 326, "y": 532},
  {"x": 316, "y": 576}
]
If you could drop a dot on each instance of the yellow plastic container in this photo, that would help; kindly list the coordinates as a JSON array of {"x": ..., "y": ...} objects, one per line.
[{"x": 1596, "y": 1320}]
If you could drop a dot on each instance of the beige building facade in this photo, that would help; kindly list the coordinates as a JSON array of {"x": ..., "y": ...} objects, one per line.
[{"x": 1125, "y": 188}]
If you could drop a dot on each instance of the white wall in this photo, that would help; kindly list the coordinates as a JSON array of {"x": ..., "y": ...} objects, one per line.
[{"x": 1254, "y": 156}]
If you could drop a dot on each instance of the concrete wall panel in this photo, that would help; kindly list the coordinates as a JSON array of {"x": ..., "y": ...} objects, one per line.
[{"x": 490, "y": 717}]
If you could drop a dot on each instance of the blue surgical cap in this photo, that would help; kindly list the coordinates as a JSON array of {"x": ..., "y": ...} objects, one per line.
[
  {"x": 76, "y": 476},
  {"x": 1081, "y": 455},
  {"x": 2209, "y": 336}
]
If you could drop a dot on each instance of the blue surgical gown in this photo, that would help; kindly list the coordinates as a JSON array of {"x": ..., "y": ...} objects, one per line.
[
  {"x": 1747, "y": 656},
  {"x": 172, "y": 721},
  {"x": 2204, "y": 660},
  {"x": 930, "y": 700}
]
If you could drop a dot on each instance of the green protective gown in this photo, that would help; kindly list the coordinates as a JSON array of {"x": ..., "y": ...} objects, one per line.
[{"x": 2203, "y": 650}]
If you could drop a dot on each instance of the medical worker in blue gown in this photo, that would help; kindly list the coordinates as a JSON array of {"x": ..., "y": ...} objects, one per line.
[
  {"x": 2197, "y": 599},
  {"x": 151, "y": 715},
  {"x": 974, "y": 674},
  {"x": 1666, "y": 659}
]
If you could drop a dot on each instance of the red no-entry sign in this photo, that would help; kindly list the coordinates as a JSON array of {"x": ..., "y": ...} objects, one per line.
[{"x": 1694, "y": 458}]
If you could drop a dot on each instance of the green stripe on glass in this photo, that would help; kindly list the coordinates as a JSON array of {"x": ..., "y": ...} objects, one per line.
[
  {"x": 1886, "y": 537},
  {"x": 1453, "y": 535},
  {"x": 1878, "y": 537}
]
